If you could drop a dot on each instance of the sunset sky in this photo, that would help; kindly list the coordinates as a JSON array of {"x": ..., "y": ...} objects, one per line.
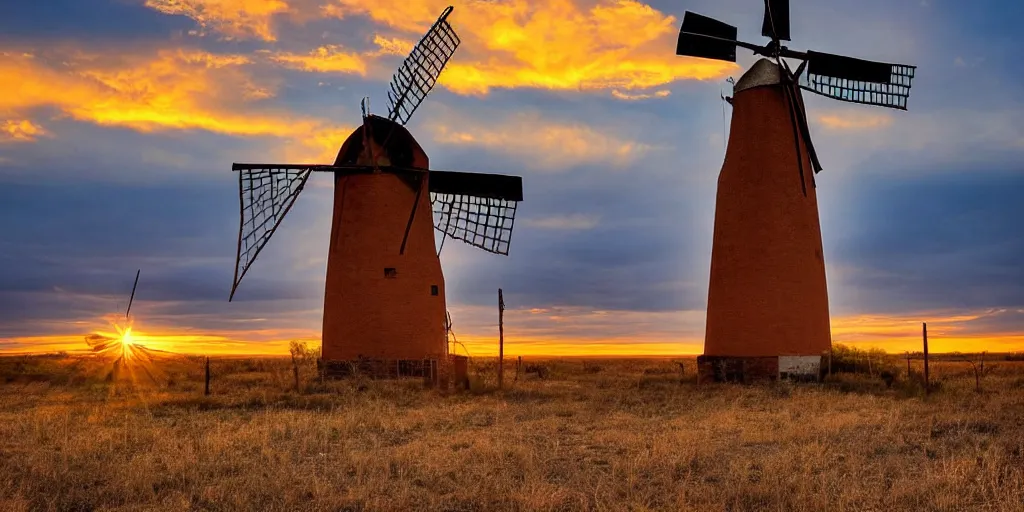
[{"x": 119, "y": 121}]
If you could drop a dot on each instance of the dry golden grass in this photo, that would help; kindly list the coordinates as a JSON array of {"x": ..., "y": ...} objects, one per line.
[{"x": 595, "y": 435}]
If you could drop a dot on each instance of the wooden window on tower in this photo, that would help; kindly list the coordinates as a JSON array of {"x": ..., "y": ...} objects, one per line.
[
  {"x": 433, "y": 289},
  {"x": 390, "y": 273}
]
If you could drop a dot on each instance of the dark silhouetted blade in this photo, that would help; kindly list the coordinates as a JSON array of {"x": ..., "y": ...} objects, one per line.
[
  {"x": 130, "y": 299},
  {"x": 776, "y": 19},
  {"x": 418, "y": 73},
  {"x": 858, "y": 80},
  {"x": 265, "y": 196},
  {"x": 479, "y": 209},
  {"x": 839, "y": 66},
  {"x": 707, "y": 38},
  {"x": 494, "y": 186}
]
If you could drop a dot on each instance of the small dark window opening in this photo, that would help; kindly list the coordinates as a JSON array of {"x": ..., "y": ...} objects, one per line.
[
  {"x": 433, "y": 289},
  {"x": 390, "y": 273}
]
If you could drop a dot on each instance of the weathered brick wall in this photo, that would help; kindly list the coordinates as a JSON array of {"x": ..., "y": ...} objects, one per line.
[{"x": 767, "y": 293}]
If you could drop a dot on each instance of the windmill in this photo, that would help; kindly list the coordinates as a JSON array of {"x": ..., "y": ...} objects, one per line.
[
  {"x": 767, "y": 299},
  {"x": 384, "y": 301}
]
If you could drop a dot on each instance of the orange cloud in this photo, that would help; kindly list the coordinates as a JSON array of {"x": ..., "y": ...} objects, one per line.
[
  {"x": 234, "y": 18},
  {"x": 553, "y": 331},
  {"x": 392, "y": 45},
  {"x": 557, "y": 44},
  {"x": 628, "y": 96},
  {"x": 537, "y": 142},
  {"x": 946, "y": 333},
  {"x": 325, "y": 59},
  {"x": 853, "y": 120},
  {"x": 173, "y": 89},
  {"x": 20, "y": 130}
]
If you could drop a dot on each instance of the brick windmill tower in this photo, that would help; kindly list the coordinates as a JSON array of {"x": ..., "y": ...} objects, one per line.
[
  {"x": 767, "y": 300},
  {"x": 384, "y": 302}
]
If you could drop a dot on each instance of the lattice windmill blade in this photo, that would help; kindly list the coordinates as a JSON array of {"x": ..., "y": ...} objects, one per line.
[
  {"x": 478, "y": 209},
  {"x": 858, "y": 81},
  {"x": 418, "y": 73},
  {"x": 266, "y": 194}
]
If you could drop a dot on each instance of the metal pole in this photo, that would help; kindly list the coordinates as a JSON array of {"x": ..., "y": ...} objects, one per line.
[
  {"x": 924, "y": 335},
  {"x": 501, "y": 339},
  {"x": 133, "y": 294}
]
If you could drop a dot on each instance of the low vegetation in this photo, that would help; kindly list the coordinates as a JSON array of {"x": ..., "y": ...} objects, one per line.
[{"x": 604, "y": 434}]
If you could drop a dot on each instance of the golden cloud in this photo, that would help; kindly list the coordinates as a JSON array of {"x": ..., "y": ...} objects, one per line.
[
  {"x": 21, "y": 130},
  {"x": 174, "y": 89},
  {"x": 234, "y": 18},
  {"x": 633, "y": 97},
  {"x": 392, "y": 45},
  {"x": 853, "y": 120},
  {"x": 539, "y": 142},
  {"x": 325, "y": 59},
  {"x": 557, "y": 44}
]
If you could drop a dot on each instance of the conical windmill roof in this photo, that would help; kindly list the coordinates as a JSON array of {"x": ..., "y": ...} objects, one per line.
[{"x": 763, "y": 72}]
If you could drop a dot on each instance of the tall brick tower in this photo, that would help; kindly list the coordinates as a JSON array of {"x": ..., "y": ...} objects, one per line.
[
  {"x": 767, "y": 295},
  {"x": 380, "y": 302},
  {"x": 384, "y": 302},
  {"x": 767, "y": 311}
]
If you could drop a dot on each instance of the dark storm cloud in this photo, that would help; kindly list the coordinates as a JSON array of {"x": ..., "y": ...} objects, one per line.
[
  {"x": 931, "y": 242},
  {"x": 71, "y": 252},
  {"x": 595, "y": 238},
  {"x": 95, "y": 20},
  {"x": 905, "y": 228}
]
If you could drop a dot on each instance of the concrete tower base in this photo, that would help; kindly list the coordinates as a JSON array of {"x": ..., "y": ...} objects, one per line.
[{"x": 755, "y": 369}]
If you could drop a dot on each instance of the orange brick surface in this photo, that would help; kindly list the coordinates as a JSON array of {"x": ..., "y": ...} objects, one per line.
[
  {"x": 366, "y": 313},
  {"x": 767, "y": 293}
]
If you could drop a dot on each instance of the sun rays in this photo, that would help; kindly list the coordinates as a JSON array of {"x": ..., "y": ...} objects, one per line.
[{"x": 130, "y": 360}]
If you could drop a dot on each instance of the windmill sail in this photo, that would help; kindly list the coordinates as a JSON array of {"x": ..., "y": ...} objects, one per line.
[
  {"x": 708, "y": 38},
  {"x": 478, "y": 209},
  {"x": 266, "y": 193},
  {"x": 858, "y": 80},
  {"x": 776, "y": 20},
  {"x": 418, "y": 73}
]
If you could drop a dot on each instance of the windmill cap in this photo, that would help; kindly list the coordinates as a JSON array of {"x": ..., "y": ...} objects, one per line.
[{"x": 763, "y": 72}]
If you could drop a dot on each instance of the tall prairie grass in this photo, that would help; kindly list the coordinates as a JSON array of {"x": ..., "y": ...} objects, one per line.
[{"x": 627, "y": 434}]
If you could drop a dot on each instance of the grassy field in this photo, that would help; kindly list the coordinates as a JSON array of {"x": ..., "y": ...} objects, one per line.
[{"x": 594, "y": 435}]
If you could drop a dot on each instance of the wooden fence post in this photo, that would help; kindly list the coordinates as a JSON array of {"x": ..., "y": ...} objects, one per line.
[
  {"x": 206, "y": 391},
  {"x": 501, "y": 339},
  {"x": 830, "y": 360},
  {"x": 924, "y": 336},
  {"x": 519, "y": 365},
  {"x": 908, "y": 364}
]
